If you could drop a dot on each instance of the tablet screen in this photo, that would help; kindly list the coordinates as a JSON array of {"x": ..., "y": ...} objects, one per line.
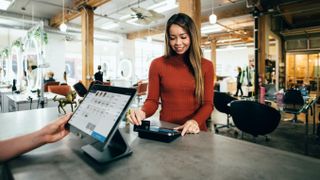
[{"x": 99, "y": 112}]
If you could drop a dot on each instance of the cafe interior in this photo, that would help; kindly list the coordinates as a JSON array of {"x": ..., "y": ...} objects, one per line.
[{"x": 47, "y": 48}]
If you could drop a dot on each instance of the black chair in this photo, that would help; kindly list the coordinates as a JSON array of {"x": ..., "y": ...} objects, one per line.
[
  {"x": 293, "y": 102},
  {"x": 254, "y": 118},
  {"x": 221, "y": 102}
]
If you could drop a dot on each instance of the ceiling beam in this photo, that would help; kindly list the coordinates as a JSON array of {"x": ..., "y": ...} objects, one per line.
[
  {"x": 228, "y": 13},
  {"x": 288, "y": 11},
  {"x": 72, "y": 14},
  {"x": 146, "y": 32},
  {"x": 225, "y": 36},
  {"x": 91, "y": 3}
]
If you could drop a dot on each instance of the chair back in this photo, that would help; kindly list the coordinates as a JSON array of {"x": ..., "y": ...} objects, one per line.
[
  {"x": 80, "y": 89},
  {"x": 94, "y": 83},
  {"x": 142, "y": 88},
  {"x": 294, "y": 97},
  {"x": 51, "y": 83},
  {"x": 107, "y": 83},
  {"x": 254, "y": 118},
  {"x": 62, "y": 90},
  {"x": 221, "y": 101}
]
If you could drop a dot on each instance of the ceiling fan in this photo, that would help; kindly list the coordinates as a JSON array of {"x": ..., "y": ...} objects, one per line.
[{"x": 145, "y": 16}]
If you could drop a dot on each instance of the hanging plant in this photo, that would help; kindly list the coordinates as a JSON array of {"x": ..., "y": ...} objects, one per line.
[
  {"x": 5, "y": 53},
  {"x": 37, "y": 35},
  {"x": 18, "y": 44}
]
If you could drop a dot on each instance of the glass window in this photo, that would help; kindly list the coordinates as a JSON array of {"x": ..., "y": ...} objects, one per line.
[{"x": 145, "y": 52}]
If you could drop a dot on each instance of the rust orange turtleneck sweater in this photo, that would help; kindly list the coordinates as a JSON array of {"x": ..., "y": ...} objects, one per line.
[{"x": 172, "y": 82}]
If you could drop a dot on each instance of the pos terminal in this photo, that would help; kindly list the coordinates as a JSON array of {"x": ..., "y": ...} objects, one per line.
[{"x": 98, "y": 117}]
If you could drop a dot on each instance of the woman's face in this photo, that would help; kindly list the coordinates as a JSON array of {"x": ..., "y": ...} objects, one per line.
[{"x": 179, "y": 39}]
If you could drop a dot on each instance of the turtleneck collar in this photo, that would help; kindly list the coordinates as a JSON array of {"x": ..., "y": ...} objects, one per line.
[{"x": 177, "y": 57}]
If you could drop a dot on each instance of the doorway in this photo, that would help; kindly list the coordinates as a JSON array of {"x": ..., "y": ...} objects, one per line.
[{"x": 303, "y": 69}]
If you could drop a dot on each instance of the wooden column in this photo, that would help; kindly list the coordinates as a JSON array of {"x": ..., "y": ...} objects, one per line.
[
  {"x": 214, "y": 55},
  {"x": 193, "y": 9},
  {"x": 262, "y": 38},
  {"x": 87, "y": 45}
]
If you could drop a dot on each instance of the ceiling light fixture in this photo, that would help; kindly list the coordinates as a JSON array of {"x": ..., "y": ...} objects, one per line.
[
  {"x": 63, "y": 27},
  {"x": 212, "y": 17}
]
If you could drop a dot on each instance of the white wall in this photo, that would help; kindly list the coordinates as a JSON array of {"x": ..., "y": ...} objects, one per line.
[
  {"x": 229, "y": 59},
  {"x": 55, "y": 55},
  {"x": 8, "y": 36}
]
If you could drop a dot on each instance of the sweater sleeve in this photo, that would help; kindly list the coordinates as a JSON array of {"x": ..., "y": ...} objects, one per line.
[
  {"x": 151, "y": 104},
  {"x": 206, "y": 108}
]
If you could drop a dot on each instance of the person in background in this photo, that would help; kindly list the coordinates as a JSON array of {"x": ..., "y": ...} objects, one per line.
[
  {"x": 50, "y": 78},
  {"x": 239, "y": 82},
  {"x": 98, "y": 76},
  {"x": 64, "y": 82},
  {"x": 52, "y": 132},
  {"x": 182, "y": 79}
]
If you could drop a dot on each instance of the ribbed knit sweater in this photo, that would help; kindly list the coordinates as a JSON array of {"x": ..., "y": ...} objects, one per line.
[{"x": 172, "y": 84}]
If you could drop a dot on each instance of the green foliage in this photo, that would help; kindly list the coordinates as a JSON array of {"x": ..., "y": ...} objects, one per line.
[
  {"x": 18, "y": 44},
  {"x": 5, "y": 52},
  {"x": 37, "y": 35}
]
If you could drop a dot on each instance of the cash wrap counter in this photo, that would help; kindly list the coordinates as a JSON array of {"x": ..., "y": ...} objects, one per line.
[{"x": 201, "y": 156}]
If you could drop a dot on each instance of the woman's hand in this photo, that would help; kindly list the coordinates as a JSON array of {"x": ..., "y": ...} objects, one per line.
[
  {"x": 190, "y": 127},
  {"x": 135, "y": 116},
  {"x": 55, "y": 131}
]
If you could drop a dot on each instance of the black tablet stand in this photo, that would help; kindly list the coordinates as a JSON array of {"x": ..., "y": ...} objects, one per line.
[{"x": 115, "y": 149}]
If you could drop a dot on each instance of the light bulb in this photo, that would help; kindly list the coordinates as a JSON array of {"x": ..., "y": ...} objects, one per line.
[
  {"x": 63, "y": 27},
  {"x": 212, "y": 18}
]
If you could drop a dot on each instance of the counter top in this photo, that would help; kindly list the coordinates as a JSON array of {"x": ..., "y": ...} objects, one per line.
[{"x": 200, "y": 156}]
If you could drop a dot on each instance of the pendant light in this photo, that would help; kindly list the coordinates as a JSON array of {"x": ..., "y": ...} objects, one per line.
[
  {"x": 63, "y": 27},
  {"x": 149, "y": 39},
  {"x": 212, "y": 17}
]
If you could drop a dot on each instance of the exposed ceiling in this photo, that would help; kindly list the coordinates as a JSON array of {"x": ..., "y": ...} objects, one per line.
[
  {"x": 120, "y": 16},
  {"x": 293, "y": 15}
]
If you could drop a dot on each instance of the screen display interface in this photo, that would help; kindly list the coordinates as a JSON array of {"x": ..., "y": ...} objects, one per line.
[{"x": 98, "y": 113}]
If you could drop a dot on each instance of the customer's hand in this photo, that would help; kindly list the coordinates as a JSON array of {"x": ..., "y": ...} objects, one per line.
[
  {"x": 190, "y": 127},
  {"x": 135, "y": 116},
  {"x": 55, "y": 131}
]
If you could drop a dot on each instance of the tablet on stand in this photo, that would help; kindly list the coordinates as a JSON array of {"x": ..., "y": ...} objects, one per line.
[{"x": 98, "y": 117}]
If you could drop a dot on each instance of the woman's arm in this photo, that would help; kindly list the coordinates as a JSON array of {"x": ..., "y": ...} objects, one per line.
[
  {"x": 151, "y": 104},
  {"x": 135, "y": 116},
  {"x": 51, "y": 133}
]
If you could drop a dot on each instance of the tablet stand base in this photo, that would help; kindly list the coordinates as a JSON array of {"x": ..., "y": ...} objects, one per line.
[{"x": 117, "y": 148}]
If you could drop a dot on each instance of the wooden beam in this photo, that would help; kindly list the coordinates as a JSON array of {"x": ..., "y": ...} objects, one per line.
[
  {"x": 87, "y": 45},
  {"x": 146, "y": 32},
  {"x": 193, "y": 9},
  {"x": 288, "y": 18},
  {"x": 288, "y": 11},
  {"x": 262, "y": 39},
  {"x": 214, "y": 57},
  {"x": 231, "y": 12},
  {"x": 58, "y": 19},
  {"x": 222, "y": 14},
  {"x": 90, "y": 3},
  {"x": 73, "y": 12}
]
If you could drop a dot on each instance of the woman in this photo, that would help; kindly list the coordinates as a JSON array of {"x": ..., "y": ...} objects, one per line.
[
  {"x": 239, "y": 82},
  {"x": 51, "y": 133},
  {"x": 182, "y": 79}
]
